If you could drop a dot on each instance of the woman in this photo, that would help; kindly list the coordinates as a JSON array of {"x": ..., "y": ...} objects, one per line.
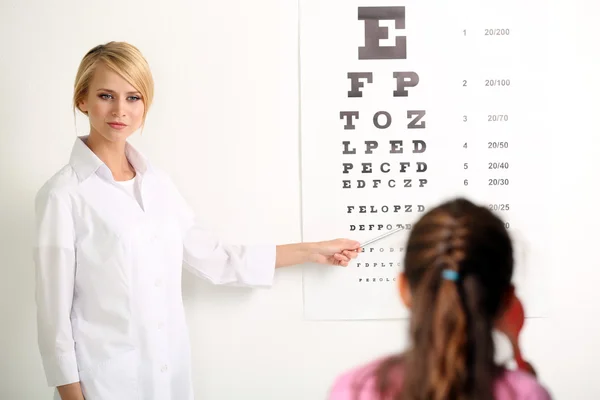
[
  {"x": 112, "y": 234},
  {"x": 457, "y": 276}
]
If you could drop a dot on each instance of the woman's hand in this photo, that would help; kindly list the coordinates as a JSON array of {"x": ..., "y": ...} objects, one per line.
[
  {"x": 335, "y": 252},
  {"x": 331, "y": 252}
]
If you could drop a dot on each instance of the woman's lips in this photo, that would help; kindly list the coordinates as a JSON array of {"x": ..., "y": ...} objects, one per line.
[{"x": 117, "y": 125}]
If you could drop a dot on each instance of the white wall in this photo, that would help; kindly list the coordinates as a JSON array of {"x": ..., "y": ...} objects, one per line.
[{"x": 228, "y": 71}]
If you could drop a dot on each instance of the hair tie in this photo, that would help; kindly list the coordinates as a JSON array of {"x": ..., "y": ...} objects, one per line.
[{"x": 450, "y": 275}]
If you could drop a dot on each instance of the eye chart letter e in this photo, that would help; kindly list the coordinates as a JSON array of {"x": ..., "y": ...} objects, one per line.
[{"x": 374, "y": 32}]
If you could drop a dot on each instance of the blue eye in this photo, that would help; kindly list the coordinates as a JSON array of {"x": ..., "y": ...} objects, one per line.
[{"x": 106, "y": 96}]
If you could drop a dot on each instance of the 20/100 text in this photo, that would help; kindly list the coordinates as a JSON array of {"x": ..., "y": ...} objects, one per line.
[{"x": 497, "y": 82}]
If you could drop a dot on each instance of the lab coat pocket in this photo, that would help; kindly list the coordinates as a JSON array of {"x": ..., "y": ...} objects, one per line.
[{"x": 114, "y": 379}]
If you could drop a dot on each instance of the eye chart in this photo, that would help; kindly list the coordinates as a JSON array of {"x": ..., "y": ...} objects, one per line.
[{"x": 408, "y": 104}]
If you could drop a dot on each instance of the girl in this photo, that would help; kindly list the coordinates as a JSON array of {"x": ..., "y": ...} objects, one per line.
[
  {"x": 112, "y": 234},
  {"x": 457, "y": 282}
]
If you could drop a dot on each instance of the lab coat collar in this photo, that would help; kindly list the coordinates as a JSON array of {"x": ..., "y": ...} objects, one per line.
[{"x": 85, "y": 162}]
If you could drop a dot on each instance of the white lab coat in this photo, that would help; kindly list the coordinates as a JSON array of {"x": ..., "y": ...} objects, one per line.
[{"x": 108, "y": 279}]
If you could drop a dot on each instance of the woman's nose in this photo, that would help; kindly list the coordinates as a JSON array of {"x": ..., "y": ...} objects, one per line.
[{"x": 119, "y": 110}]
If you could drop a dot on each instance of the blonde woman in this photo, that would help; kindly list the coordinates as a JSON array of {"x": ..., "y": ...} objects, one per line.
[{"x": 112, "y": 234}]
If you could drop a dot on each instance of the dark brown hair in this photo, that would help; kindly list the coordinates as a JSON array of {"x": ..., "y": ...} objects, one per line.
[{"x": 452, "y": 351}]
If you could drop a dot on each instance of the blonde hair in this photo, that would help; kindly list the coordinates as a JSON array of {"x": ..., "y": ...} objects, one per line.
[{"x": 123, "y": 59}]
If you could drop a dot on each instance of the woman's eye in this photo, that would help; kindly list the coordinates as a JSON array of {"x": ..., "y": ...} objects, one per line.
[{"x": 106, "y": 96}]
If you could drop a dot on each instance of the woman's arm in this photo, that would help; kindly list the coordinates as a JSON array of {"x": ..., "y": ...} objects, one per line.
[
  {"x": 72, "y": 391},
  {"x": 208, "y": 257},
  {"x": 333, "y": 252},
  {"x": 54, "y": 257}
]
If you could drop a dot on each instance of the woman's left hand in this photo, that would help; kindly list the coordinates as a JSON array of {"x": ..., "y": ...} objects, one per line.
[{"x": 335, "y": 252}]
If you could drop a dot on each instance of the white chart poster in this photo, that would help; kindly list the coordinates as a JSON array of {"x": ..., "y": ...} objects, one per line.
[{"x": 407, "y": 104}]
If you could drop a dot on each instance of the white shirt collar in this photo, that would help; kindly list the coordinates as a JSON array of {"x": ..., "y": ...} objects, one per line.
[{"x": 85, "y": 162}]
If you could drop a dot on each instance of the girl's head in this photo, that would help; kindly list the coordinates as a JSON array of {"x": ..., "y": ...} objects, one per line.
[
  {"x": 457, "y": 276},
  {"x": 114, "y": 85}
]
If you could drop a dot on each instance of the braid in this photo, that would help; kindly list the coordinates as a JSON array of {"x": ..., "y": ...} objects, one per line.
[
  {"x": 452, "y": 247},
  {"x": 447, "y": 359}
]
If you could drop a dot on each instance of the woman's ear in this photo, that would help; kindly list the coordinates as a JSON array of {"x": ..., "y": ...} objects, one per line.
[
  {"x": 404, "y": 289},
  {"x": 83, "y": 106}
]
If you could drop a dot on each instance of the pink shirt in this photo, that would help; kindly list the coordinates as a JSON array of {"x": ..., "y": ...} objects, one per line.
[{"x": 512, "y": 385}]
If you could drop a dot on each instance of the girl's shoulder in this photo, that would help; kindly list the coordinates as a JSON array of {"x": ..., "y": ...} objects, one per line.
[
  {"x": 357, "y": 383},
  {"x": 517, "y": 384},
  {"x": 360, "y": 383}
]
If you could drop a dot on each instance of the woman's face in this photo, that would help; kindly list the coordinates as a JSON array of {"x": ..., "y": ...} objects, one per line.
[{"x": 114, "y": 107}]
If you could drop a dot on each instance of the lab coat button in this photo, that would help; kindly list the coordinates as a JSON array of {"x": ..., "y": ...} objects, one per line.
[
  {"x": 164, "y": 368},
  {"x": 161, "y": 325},
  {"x": 157, "y": 283}
]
